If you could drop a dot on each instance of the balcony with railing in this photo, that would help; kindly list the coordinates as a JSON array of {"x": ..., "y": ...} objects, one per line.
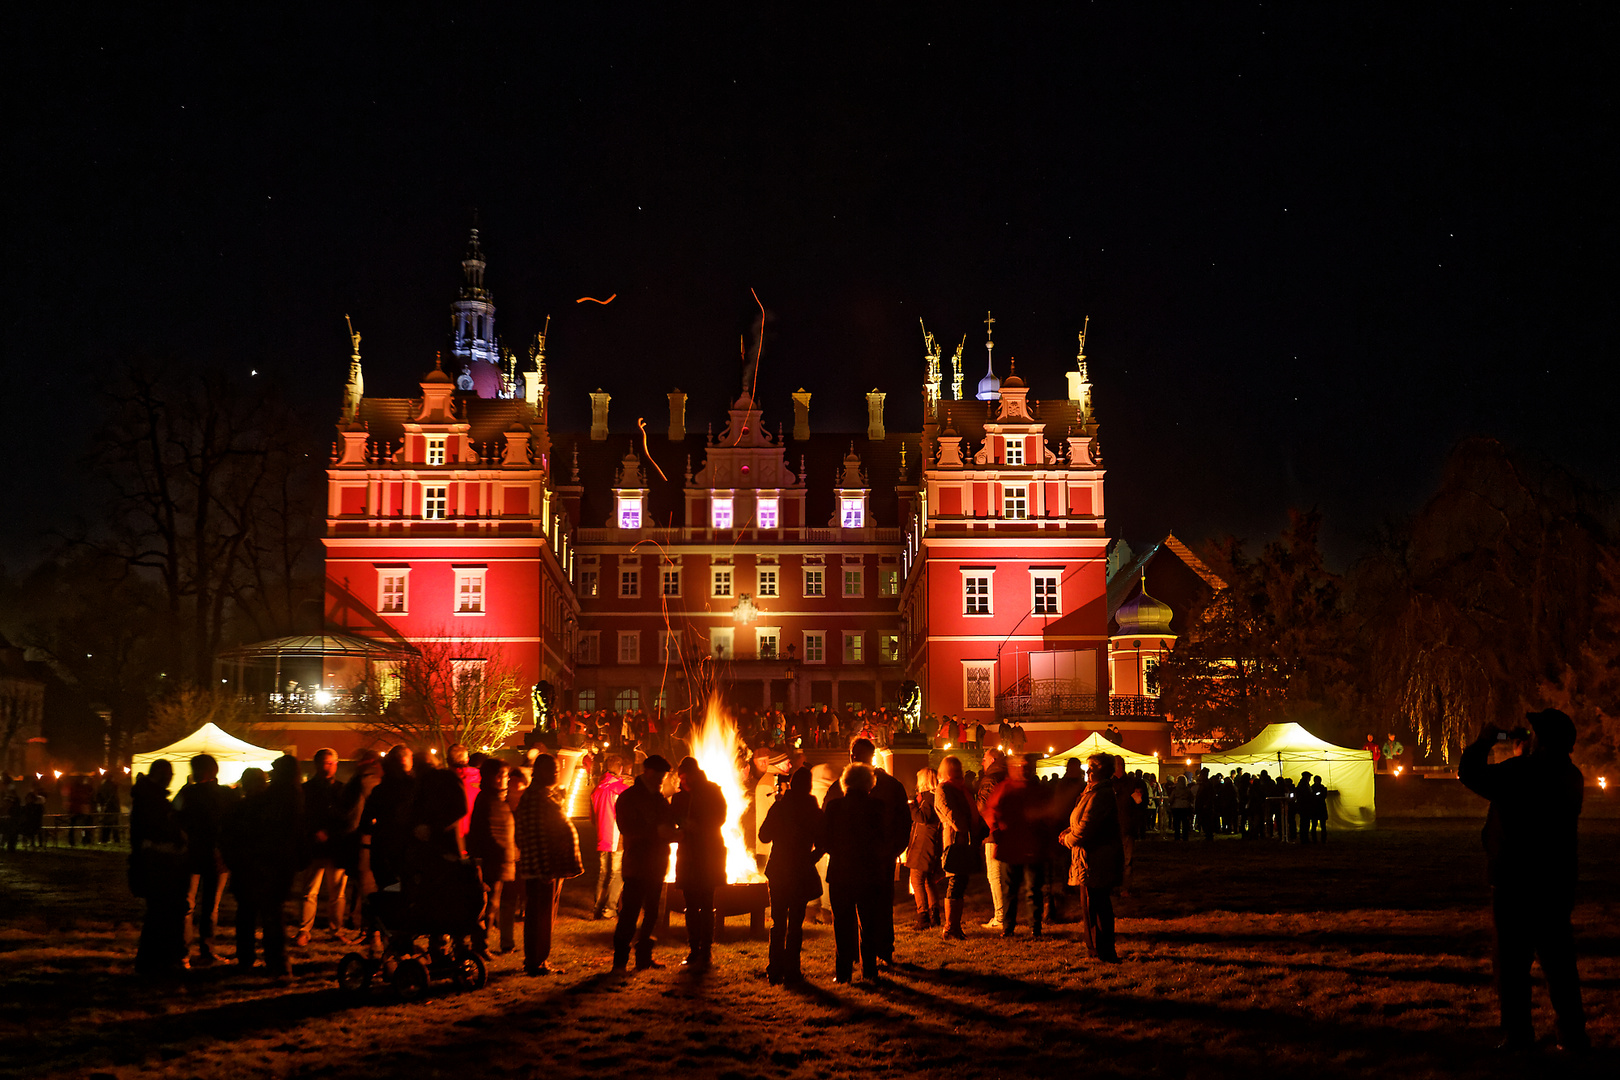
[
  {"x": 315, "y": 702},
  {"x": 1052, "y": 697},
  {"x": 870, "y": 535},
  {"x": 1148, "y": 708}
]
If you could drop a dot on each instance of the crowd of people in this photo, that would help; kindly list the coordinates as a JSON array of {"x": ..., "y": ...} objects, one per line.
[
  {"x": 1245, "y": 804},
  {"x": 815, "y": 728},
  {"x": 92, "y": 810}
]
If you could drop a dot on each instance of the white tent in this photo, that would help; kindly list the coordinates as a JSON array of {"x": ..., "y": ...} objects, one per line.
[
  {"x": 234, "y": 755},
  {"x": 1096, "y": 744},
  {"x": 1289, "y": 750}
]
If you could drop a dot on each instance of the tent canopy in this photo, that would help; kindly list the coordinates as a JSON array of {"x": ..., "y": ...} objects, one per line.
[
  {"x": 1289, "y": 750},
  {"x": 234, "y": 755},
  {"x": 1096, "y": 744}
]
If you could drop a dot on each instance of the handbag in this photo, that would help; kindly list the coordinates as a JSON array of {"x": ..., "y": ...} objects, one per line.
[{"x": 958, "y": 858}]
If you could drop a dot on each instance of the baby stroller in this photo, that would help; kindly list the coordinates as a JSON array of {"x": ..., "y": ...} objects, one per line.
[{"x": 438, "y": 900}]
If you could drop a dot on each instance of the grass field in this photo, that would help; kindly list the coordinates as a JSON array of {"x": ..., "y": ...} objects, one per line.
[{"x": 1369, "y": 956}]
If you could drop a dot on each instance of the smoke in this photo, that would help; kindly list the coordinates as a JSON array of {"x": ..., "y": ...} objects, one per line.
[{"x": 753, "y": 344}]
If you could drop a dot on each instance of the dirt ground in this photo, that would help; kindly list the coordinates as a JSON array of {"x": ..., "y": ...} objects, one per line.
[{"x": 1367, "y": 956}]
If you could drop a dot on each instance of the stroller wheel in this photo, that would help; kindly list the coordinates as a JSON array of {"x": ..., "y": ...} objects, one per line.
[
  {"x": 354, "y": 974},
  {"x": 469, "y": 972},
  {"x": 410, "y": 979}
]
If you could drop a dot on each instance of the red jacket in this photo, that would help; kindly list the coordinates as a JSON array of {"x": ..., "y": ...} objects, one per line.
[{"x": 604, "y": 810}]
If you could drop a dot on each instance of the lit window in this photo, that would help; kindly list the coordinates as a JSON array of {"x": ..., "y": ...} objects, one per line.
[
  {"x": 815, "y": 647},
  {"x": 629, "y": 647},
  {"x": 672, "y": 582},
  {"x": 1015, "y": 451},
  {"x": 852, "y": 582},
  {"x": 813, "y": 583},
  {"x": 976, "y": 594},
  {"x": 767, "y": 583},
  {"x": 587, "y": 583},
  {"x": 720, "y": 639},
  {"x": 388, "y": 682},
  {"x": 722, "y": 581},
  {"x": 767, "y": 638},
  {"x": 888, "y": 582},
  {"x": 853, "y": 512},
  {"x": 392, "y": 592},
  {"x": 435, "y": 449},
  {"x": 979, "y": 675},
  {"x": 1015, "y": 502},
  {"x": 889, "y": 648},
  {"x": 469, "y": 591},
  {"x": 627, "y": 701},
  {"x": 720, "y": 513},
  {"x": 589, "y": 649},
  {"x": 854, "y": 648},
  {"x": 629, "y": 582},
  {"x": 1046, "y": 594},
  {"x": 435, "y": 503},
  {"x": 767, "y": 513},
  {"x": 586, "y": 700},
  {"x": 630, "y": 512}
]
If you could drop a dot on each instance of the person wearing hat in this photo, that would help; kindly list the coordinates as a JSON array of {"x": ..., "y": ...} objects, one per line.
[
  {"x": 646, "y": 828},
  {"x": 1530, "y": 837}
]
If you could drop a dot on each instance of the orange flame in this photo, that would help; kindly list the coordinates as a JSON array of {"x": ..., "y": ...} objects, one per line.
[{"x": 715, "y": 745}]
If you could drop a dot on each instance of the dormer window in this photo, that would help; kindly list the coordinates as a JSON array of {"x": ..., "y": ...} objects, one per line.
[
  {"x": 852, "y": 513},
  {"x": 435, "y": 449},
  {"x": 766, "y": 511},
  {"x": 1015, "y": 502},
  {"x": 720, "y": 513},
  {"x": 629, "y": 511},
  {"x": 1015, "y": 451}
]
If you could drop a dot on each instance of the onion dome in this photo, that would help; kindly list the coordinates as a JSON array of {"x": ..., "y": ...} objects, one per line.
[
  {"x": 1143, "y": 616},
  {"x": 437, "y": 375},
  {"x": 989, "y": 387}
]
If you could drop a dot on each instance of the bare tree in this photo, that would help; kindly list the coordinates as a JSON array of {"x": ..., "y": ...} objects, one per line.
[
  {"x": 205, "y": 497},
  {"x": 187, "y": 707},
  {"x": 447, "y": 692}
]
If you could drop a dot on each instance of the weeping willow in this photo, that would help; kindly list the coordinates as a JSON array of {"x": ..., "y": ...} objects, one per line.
[{"x": 1438, "y": 677}]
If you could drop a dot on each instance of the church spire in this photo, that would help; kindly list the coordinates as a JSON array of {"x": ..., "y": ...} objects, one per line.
[
  {"x": 1080, "y": 377},
  {"x": 989, "y": 386},
  {"x": 474, "y": 350}
]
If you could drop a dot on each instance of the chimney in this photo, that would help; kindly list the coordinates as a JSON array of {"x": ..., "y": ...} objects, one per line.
[
  {"x": 677, "y": 415},
  {"x": 599, "y": 406},
  {"x": 801, "y": 414},
  {"x": 874, "y": 415}
]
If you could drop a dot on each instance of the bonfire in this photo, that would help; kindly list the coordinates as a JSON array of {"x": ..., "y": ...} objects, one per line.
[{"x": 715, "y": 746}]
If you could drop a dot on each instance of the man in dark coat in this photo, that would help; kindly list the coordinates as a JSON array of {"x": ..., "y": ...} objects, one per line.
[
  {"x": 1530, "y": 846},
  {"x": 647, "y": 827},
  {"x": 897, "y": 833},
  {"x": 325, "y": 816},
  {"x": 1098, "y": 862},
  {"x": 201, "y": 807},
  {"x": 265, "y": 847},
  {"x": 699, "y": 810},
  {"x": 859, "y": 873},
  {"x": 158, "y": 872},
  {"x": 794, "y": 828}
]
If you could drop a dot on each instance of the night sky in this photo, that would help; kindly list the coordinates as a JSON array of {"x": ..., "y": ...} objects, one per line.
[{"x": 1317, "y": 244}]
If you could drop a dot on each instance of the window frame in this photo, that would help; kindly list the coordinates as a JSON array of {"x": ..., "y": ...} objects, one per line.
[
  {"x": 629, "y": 582},
  {"x": 845, "y": 505},
  {"x": 585, "y": 699},
  {"x": 859, "y": 573},
  {"x": 471, "y": 581},
  {"x": 729, "y": 503},
  {"x": 774, "y": 634},
  {"x": 588, "y": 649},
  {"x": 631, "y": 504},
  {"x": 671, "y": 576},
  {"x": 818, "y": 655},
  {"x": 1055, "y": 578},
  {"x": 441, "y": 499},
  {"x": 771, "y": 503},
  {"x": 632, "y": 653},
  {"x": 888, "y": 581},
  {"x": 730, "y": 576},
  {"x": 988, "y": 668},
  {"x": 854, "y": 651},
  {"x": 889, "y": 649},
  {"x": 760, "y": 586},
  {"x": 987, "y": 596},
  {"x": 590, "y": 583},
  {"x": 1012, "y": 494},
  {"x": 386, "y": 574},
  {"x": 437, "y": 445},
  {"x": 820, "y": 573},
  {"x": 1010, "y": 446}
]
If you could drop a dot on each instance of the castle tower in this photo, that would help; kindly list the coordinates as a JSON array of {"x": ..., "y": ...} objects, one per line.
[{"x": 474, "y": 351}]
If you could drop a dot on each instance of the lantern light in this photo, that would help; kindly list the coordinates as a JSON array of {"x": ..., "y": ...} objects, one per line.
[
  {"x": 1603, "y": 782},
  {"x": 57, "y": 773},
  {"x": 323, "y": 698},
  {"x": 103, "y": 772}
]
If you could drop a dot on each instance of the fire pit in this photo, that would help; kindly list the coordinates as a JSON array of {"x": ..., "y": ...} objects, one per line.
[{"x": 743, "y": 898}]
